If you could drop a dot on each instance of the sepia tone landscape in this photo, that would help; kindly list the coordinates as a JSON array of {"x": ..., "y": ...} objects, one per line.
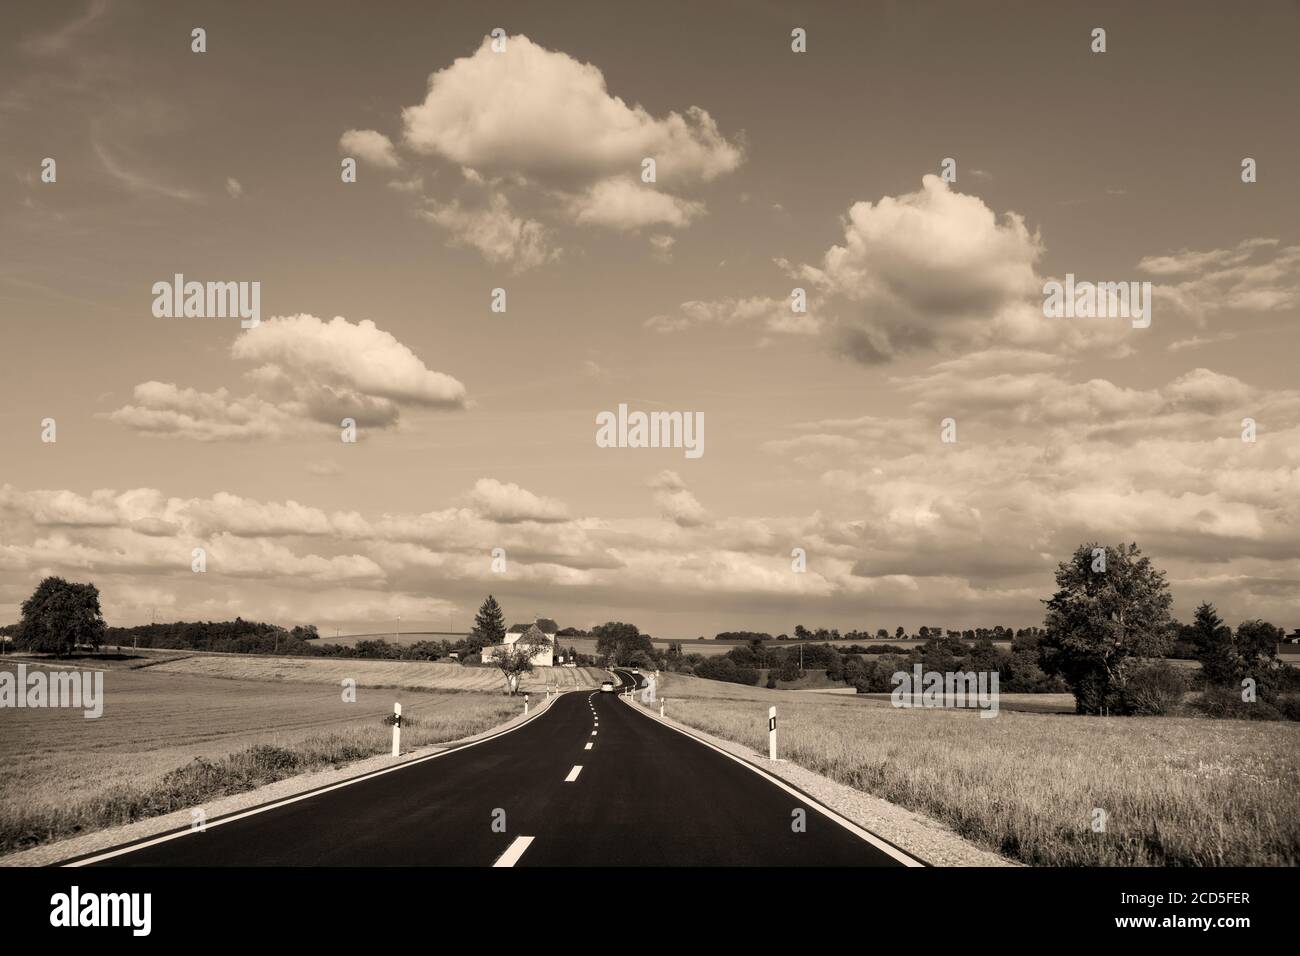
[{"x": 700, "y": 435}]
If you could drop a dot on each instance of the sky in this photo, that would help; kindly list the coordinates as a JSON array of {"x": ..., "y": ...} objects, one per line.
[{"x": 520, "y": 166}]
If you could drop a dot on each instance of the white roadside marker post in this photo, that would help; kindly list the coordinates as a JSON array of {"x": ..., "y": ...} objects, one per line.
[
  {"x": 525, "y": 705},
  {"x": 661, "y": 706},
  {"x": 771, "y": 733},
  {"x": 397, "y": 729}
]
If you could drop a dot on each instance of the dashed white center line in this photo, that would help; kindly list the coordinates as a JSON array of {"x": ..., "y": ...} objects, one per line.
[
  {"x": 588, "y": 747},
  {"x": 514, "y": 851},
  {"x": 573, "y": 774},
  {"x": 593, "y": 733}
]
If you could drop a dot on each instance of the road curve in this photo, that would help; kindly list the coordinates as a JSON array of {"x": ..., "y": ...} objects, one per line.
[{"x": 589, "y": 782}]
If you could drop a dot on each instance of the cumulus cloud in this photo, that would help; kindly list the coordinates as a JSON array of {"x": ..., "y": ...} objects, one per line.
[
  {"x": 675, "y": 502},
  {"x": 308, "y": 373},
  {"x": 539, "y": 131},
  {"x": 543, "y": 113},
  {"x": 508, "y": 503},
  {"x": 931, "y": 269},
  {"x": 370, "y": 146}
]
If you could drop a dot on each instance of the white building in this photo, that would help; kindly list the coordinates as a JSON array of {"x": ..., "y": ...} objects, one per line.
[{"x": 544, "y": 644}]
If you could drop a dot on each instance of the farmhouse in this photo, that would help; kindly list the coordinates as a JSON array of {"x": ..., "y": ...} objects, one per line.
[{"x": 542, "y": 642}]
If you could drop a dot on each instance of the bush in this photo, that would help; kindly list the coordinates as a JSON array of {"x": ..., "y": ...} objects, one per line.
[
  {"x": 1226, "y": 703},
  {"x": 1154, "y": 690},
  {"x": 771, "y": 682},
  {"x": 724, "y": 669}
]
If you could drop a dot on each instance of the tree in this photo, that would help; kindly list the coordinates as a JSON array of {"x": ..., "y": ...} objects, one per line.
[
  {"x": 1214, "y": 646},
  {"x": 514, "y": 661},
  {"x": 489, "y": 627},
  {"x": 1256, "y": 645},
  {"x": 1102, "y": 619},
  {"x": 984, "y": 656},
  {"x": 59, "y": 616},
  {"x": 618, "y": 641},
  {"x": 900, "y": 633}
]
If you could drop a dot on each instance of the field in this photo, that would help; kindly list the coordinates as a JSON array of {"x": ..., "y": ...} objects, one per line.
[
  {"x": 65, "y": 774},
  {"x": 1175, "y": 791},
  {"x": 423, "y": 675}
]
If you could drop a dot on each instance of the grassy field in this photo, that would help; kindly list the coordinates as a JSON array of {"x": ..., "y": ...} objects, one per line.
[
  {"x": 423, "y": 675},
  {"x": 180, "y": 732},
  {"x": 1175, "y": 791}
]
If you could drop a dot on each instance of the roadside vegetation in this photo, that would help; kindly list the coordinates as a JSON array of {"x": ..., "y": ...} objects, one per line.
[{"x": 1170, "y": 791}]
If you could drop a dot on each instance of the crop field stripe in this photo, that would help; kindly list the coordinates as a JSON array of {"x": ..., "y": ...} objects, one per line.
[
  {"x": 188, "y": 830},
  {"x": 878, "y": 842}
]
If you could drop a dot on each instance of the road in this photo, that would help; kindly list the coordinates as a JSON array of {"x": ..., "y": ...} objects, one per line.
[{"x": 589, "y": 782}]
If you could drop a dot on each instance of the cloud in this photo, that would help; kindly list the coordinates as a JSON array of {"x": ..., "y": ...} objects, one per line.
[
  {"x": 771, "y": 314},
  {"x": 931, "y": 269},
  {"x": 370, "y": 146},
  {"x": 542, "y": 113},
  {"x": 357, "y": 357},
  {"x": 675, "y": 502},
  {"x": 507, "y": 503},
  {"x": 1196, "y": 341},
  {"x": 59, "y": 40},
  {"x": 233, "y": 188},
  {"x": 146, "y": 183},
  {"x": 308, "y": 373},
  {"x": 1256, "y": 275},
  {"x": 496, "y": 232},
  {"x": 625, "y": 203},
  {"x": 538, "y": 131}
]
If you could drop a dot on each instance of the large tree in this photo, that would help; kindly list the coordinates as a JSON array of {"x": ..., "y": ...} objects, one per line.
[
  {"x": 489, "y": 626},
  {"x": 617, "y": 642},
  {"x": 1111, "y": 608},
  {"x": 61, "y": 615}
]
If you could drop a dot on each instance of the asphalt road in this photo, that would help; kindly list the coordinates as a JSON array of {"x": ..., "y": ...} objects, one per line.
[{"x": 645, "y": 795}]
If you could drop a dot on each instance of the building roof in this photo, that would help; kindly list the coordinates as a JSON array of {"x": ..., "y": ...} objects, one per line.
[{"x": 535, "y": 635}]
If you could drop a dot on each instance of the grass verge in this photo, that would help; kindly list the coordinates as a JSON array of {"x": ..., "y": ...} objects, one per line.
[{"x": 1173, "y": 791}]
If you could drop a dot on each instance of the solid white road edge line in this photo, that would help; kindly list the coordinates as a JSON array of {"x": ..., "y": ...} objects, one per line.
[
  {"x": 859, "y": 832},
  {"x": 167, "y": 837},
  {"x": 514, "y": 851}
]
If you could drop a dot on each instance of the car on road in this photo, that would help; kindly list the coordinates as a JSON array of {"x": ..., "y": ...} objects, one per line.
[{"x": 607, "y": 687}]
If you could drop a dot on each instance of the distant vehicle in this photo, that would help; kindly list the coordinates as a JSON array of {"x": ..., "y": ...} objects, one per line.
[
  {"x": 607, "y": 687},
  {"x": 569, "y": 664}
]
